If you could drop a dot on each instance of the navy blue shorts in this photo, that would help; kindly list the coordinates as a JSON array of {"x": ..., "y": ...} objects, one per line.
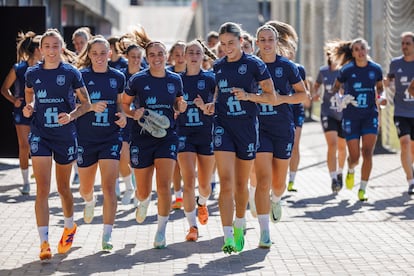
[
  {"x": 200, "y": 142},
  {"x": 239, "y": 136},
  {"x": 145, "y": 150},
  {"x": 354, "y": 129},
  {"x": 18, "y": 117},
  {"x": 298, "y": 114},
  {"x": 64, "y": 152},
  {"x": 280, "y": 144},
  {"x": 89, "y": 154},
  {"x": 126, "y": 131},
  {"x": 332, "y": 124}
]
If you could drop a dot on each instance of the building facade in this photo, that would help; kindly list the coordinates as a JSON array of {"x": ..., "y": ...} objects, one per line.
[{"x": 100, "y": 15}]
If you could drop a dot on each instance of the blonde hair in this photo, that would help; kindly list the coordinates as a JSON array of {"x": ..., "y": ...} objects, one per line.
[
  {"x": 287, "y": 39},
  {"x": 26, "y": 45},
  {"x": 143, "y": 40}
]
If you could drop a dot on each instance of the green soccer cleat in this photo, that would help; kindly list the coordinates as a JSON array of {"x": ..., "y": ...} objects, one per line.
[
  {"x": 350, "y": 181},
  {"x": 239, "y": 238},
  {"x": 229, "y": 246},
  {"x": 361, "y": 195},
  {"x": 290, "y": 187}
]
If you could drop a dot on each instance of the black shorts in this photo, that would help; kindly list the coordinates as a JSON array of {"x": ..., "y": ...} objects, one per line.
[
  {"x": 332, "y": 124},
  {"x": 404, "y": 126}
]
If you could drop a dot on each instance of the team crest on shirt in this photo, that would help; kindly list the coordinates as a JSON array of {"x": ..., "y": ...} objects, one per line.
[
  {"x": 278, "y": 72},
  {"x": 60, "y": 80},
  {"x": 371, "y": 75},
  {"x": 242, "y": 69},
  {"x": 201, "y": 84},
  {"x": 112, "y": 82},
  {"x": 170, "y": 87}
]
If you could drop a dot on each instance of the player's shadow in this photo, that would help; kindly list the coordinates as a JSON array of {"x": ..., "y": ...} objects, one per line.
[
  {"x": 341, "y": 209},
  {"x": 15, "y": 199},
  {"x": 241, "y": 263},
  {"x": 123, "y": 259},
  {"x": 5, "y": 166},
  {"x": 48, "y": 267},
  {"x": 396, "y": 202},
  {"x": 328, "y": 209}
]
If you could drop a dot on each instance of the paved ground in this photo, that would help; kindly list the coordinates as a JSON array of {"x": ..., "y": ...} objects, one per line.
[{"x": 319, "y": 233}]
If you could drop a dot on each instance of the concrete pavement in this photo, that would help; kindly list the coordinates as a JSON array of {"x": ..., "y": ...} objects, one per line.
[{"x": 320, "y": 234}]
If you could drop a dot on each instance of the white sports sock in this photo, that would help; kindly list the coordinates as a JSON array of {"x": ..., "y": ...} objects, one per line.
[
  {"x": 292, "y": 176},
  {"x": 178, "y": 194},
  {"x": 239, "y": 222},
  {"x": 162, "y": 223},
  {"x": 128, "y": 182},
  {"x": 191, "y": 217},
  {"x": 146, "y": 201},
  {"x": 339, "y": 171},
  {"x": 202, "y": 200},
  {"x": 363, "y": 185},
  {"x": 228, "y": 232},
  {"x": 25, "y": 175},
  {"x": 333, "y": 175},
  {"x": 263, "y": 222},
  {"x": 252, "y": 192},
  {"x": 107, "y": 229},
  {"x": 213, "y": 178},
  {"x": 43, "y": 233},
  {"x": 68, "y": 222},
  {"x": 275, "y": 198},
  {"x": 89, "y": 203}
]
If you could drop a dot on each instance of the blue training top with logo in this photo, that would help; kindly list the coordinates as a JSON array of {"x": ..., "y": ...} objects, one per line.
[
  {"x": 403, "y": 73},
  {"x": 244, "y": 73},
  {"x": 360, "y": 82},
  {"x": 158, "y": 94},
  {"x": 326, "y": 77},
  {"x": 119, "y": 64},
  {"x": 19, "y": 85},
  {"x": 20, "y": 69},
  {"x": 204, "y": 85},
  {"x": 54, "y": 94},
  {"x": 284, "y": 74},
  {"x": 99, "y": 127}
]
